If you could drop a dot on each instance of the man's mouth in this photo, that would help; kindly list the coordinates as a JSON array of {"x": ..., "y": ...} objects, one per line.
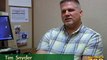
[{"x": 67, "y": 19}]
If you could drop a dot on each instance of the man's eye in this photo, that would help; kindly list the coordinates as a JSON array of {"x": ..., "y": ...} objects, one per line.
[
  {"x": 63, "y": 11},
  {"x": 70, "y": 10}
]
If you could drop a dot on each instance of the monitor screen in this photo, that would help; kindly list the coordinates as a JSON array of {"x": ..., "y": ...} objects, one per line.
[{"x": 5, "y": 28}]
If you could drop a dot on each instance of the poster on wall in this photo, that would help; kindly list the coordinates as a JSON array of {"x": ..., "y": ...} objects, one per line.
[
  {"x": 19, "y": 14},
  {"x": 21, "y": 36}
]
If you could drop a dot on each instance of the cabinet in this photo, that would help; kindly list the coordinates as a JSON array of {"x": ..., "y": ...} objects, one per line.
[
  {"x": 3, "y": 5},
  {"x": 3, "y": 9},
  {"x": 25, "y": 26}
]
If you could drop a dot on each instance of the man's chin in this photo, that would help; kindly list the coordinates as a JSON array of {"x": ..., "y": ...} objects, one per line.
[{"x": 68, "y": 24}]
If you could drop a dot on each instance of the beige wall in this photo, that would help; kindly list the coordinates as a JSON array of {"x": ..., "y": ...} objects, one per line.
[{"x": 47, "y": 15}]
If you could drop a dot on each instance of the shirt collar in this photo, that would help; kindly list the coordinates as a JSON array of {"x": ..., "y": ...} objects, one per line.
[{"x": 80, "y": 27}]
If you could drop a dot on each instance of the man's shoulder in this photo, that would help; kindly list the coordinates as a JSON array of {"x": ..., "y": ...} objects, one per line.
[
  {"x": 53, "y": 31},
  {"x": 56, "y": 29},
  {"x": 90, "y": 30}
]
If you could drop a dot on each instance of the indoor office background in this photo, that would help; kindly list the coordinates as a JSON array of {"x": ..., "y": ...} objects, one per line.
[{"x": 47, "y": 16}]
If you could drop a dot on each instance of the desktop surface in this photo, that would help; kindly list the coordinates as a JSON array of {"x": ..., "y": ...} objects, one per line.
[{"x": 9, "y": 50}]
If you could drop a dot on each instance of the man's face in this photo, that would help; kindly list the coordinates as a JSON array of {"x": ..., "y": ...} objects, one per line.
[{"x": 70, "y": 13}]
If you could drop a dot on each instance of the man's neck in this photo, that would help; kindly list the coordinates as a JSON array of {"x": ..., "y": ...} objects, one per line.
[{"x": 72, "y": 28}]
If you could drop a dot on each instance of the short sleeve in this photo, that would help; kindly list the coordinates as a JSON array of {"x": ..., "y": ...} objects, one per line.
[{"x": 44, "y": 42}]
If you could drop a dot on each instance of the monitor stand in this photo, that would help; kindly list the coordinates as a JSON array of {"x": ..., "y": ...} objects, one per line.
[
  {"x": 3, "y": 44},
  {"x": 5, "y": 49}
]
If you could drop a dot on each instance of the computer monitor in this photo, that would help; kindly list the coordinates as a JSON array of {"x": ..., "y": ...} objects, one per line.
[{"x": 5, "y": 29}]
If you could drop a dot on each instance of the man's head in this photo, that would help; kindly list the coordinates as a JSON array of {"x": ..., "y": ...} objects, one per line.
[{"x": 71, "y": 12}]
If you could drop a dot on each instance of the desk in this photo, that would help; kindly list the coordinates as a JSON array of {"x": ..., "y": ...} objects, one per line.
[{"x": 31, "y": 50}]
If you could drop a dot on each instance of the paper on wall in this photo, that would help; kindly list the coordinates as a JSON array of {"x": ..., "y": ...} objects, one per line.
[
  {"x": 19, "y": 14},
  {"x": 26, "y": 3}
]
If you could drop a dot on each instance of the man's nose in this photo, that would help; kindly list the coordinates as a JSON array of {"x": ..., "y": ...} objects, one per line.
[{"x": 67, "y": 13}]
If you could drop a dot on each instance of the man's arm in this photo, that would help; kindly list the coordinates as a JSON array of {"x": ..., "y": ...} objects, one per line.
[
  {"x": 43, "y": 45},
  {"x": 41, "y": 52},
  {"x": 94, "y": 48},
  {"x": 85, "y": 58}
]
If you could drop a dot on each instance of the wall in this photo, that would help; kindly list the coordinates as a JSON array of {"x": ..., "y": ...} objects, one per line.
[
  {"x": 47, "y": 15},
  {"x": 95, "y": 17}
]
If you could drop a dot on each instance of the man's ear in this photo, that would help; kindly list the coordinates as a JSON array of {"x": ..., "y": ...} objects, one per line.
[{"x": 81, "y": 13}]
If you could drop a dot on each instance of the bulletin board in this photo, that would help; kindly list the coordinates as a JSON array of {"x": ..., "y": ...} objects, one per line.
[{"x": 21, "y": 22}]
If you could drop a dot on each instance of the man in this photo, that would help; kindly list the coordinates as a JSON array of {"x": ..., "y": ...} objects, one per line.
[{"x": 73, "y": 37}]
